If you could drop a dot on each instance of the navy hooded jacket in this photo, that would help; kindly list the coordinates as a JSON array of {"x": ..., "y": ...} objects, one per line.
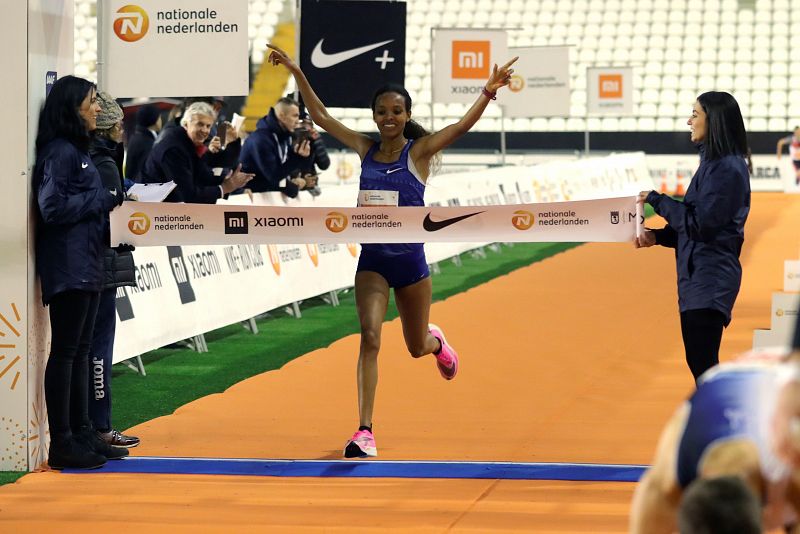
[
  {"x": 707, "y": 232},
  {"x": 268, "y": 154},
  {"x": 73, "y": 208}
]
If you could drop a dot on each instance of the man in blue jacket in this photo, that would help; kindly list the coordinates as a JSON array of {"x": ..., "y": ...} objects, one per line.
[{"x": 270, "y": 154}]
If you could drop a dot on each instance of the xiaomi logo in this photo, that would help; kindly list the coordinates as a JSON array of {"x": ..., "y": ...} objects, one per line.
[
  {"x": 336, "y": 222},
  {"x": 522, "y": 219},
  {"x": 131, "y": 23},
  {"x": 610, "y": 85},
  {"x": 139, "y": 223},
  {"x": 274, "y": 258},
  {"x": 313, "y": 253},
  {"x": 471, "y": 59}
]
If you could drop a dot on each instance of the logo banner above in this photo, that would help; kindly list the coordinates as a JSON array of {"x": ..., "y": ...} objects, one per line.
[
  {"x": 609, "y": 90},
  {"x": 206, "y": 42},
  {"x": 540, "y": 84},
  {"x": 350, "y": 48},
  {"x": 463, "y": 61},
  {"x": 150, "y": 224}
]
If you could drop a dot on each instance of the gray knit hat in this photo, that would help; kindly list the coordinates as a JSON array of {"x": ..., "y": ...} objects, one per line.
[{"x": 110, "y": 112}]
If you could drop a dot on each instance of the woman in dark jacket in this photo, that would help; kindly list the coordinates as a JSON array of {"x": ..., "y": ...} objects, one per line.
[
  {"x": 72, "y": 210},
  {"x": 707, "y": 228},
  {"x": 118, "y": 267}
]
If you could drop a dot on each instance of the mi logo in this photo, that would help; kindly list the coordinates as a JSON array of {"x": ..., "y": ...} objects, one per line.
[
  {"x": 131, "y": 23},
  {"x": 471, "y": 59},
  {"x": 139, "y": 223},
  {"x": 522, "y": 219},
  {"x": 336, "y": 222},
  {"x": 610, "y": 85},
  {"x": 235, "y": 222},
  {"x": 179, "y": 271}
]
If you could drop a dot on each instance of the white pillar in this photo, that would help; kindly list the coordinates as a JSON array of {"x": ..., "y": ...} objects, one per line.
[{"x": 37, "y": 37}]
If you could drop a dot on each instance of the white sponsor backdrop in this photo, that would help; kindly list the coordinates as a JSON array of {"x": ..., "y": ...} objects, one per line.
[
  {"x": 540, "y": 85},
  {"x": 671, "y": 171},
  {"x": 609, "y": 90},
  {"x": 186, "y": 291},
  {"x": 154, "y": 48},
  {"x": 463, "y": 60}
]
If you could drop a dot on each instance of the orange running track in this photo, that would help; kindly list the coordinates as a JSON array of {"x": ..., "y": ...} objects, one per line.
[{"x": 577, "y": 358}]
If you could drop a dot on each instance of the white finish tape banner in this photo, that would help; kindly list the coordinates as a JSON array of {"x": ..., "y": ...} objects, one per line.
[{"x": 149, "y": 224}]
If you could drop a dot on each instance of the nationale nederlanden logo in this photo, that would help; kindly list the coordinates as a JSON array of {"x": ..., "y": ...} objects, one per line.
[
  {"x": 336, "y": 222},
  {"x": 131, "y": 23},
  {"x": 522, "y": 219},
  {"x": 139, "y": 223}
]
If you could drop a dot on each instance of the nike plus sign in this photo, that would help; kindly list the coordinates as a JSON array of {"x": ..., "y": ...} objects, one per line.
[{"x": 321, "y": 60}]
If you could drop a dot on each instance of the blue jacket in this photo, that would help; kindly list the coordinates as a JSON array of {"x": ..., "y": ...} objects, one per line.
[
  {"x": 707, "y": 232},
  {"x": 174, "y": 157},
  {"x": 268, "y": 154},
  {"x": 72, "y": 209}
]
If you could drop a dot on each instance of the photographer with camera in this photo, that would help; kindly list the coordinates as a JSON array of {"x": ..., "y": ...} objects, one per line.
[
  {"x": 317, "y": 159},
  {"x": 274, "y": 151}
]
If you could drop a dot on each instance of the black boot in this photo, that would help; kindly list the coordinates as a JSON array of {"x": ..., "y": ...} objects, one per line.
[
  {"x": 89, "y": 437},
  {"x": 67, "y": 453}
]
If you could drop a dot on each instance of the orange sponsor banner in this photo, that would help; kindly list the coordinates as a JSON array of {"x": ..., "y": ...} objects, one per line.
[{"x": 471, "y": 59}]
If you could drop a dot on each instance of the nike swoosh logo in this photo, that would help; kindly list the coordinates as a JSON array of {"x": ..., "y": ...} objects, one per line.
[
  {"x": 321, "y": 60},
  {"x": 84, "y": 165},
  {"x": 390, "y": 171},
  {"x": 433, "y": 226}
]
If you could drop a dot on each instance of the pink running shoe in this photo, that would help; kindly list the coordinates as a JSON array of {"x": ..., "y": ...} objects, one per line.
[
  {"x": 361, "y": 445},
  {"x": 447, "y": 359}
]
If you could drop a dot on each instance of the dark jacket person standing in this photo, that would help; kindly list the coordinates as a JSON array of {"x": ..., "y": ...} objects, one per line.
[
  {"x": 269, "y": 152},
  {"x": 707, "y": 228},
  {"x": 119, "y": 270},
  {"x": 72, "y": 208},
  {"x": 148, "y": 124}
]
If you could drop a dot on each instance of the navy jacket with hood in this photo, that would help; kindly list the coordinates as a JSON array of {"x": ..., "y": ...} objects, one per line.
[
  {"x": 707, "y": 232},
  {"x": 268, "y": 154},
  {"x": 73, "y": 208}
]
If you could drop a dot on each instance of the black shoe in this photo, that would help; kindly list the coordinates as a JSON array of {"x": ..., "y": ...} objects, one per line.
[
  {"x": 89, "y": 437},
  {"x": 70, "y": 454}
]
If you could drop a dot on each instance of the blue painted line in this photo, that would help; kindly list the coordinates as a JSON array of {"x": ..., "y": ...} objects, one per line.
[{"x": 373, "y": 469}]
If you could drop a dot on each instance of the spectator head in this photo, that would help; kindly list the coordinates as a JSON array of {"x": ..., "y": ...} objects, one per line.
[
  {"x": 719, "y": 125},
  {"x": 797, "y": 131},
  {"x": 109, "y": 119},
  {"x": 149, "y": 116},
  {"x": 720, "y": 505},
  {"x": 197, "y": 121},
  {"x": 287, "y": 110},
  {"x": 69, "y": 112}
]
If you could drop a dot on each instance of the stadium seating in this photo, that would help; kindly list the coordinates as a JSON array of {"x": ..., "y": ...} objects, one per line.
[{"x": 678, "y": 49}]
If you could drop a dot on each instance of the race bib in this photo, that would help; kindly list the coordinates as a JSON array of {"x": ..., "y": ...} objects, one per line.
[{"x": 378, "y": 198}]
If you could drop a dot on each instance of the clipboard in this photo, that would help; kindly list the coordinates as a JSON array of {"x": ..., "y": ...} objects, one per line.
[{"x": 152, "y": 192}]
